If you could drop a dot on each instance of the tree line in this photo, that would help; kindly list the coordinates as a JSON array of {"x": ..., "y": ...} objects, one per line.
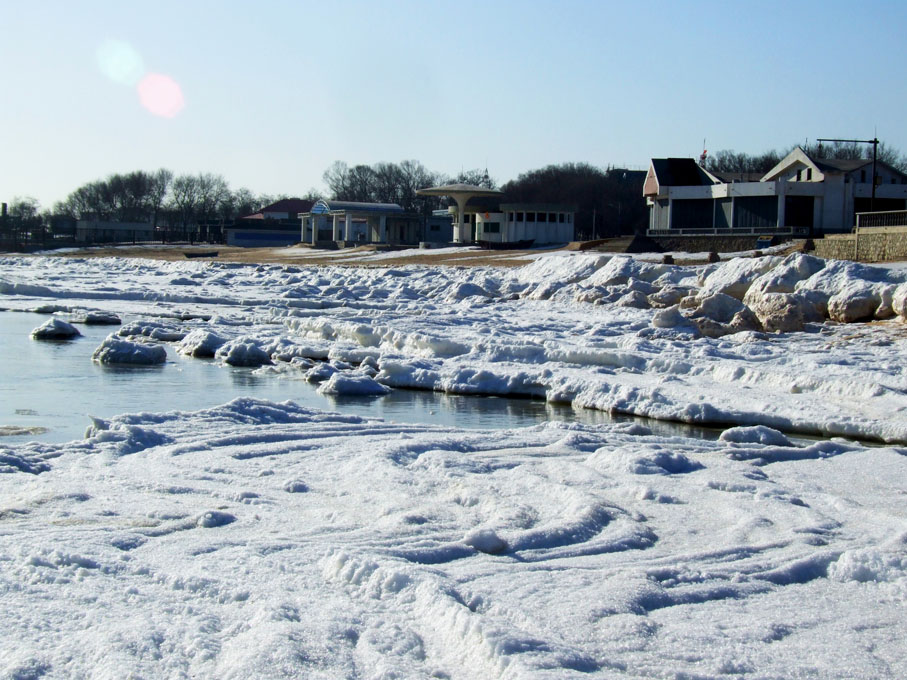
[
  {"x": 728, "y": 160},
  {"x": 394, "y": 183},
  {"x": 179, "y": 200}
]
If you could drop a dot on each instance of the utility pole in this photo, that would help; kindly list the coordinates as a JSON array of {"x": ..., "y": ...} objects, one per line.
[{"x": 875, "y": 147}]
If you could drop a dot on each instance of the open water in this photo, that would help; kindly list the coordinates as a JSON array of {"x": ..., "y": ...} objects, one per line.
[{"x": 53, "y": 388}]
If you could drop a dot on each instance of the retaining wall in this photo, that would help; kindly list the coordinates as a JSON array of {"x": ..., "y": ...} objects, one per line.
[{"x": 869, "y": 244}]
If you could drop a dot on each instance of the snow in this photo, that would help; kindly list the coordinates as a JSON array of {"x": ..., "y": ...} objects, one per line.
[
  {"x": 188, "y": 544},
  {"x": 258, "y": 539}
]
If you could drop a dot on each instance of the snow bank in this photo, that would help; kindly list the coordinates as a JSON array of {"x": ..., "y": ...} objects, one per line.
[{"x": 269, "y": 540}]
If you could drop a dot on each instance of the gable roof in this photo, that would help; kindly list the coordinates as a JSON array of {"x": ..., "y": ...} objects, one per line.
[
  {"x": 675, "y": 172},
  {"x": 680, "y": 172},
  {"x": 835, "y": 165},
  {"x": 289, "y": 205}
]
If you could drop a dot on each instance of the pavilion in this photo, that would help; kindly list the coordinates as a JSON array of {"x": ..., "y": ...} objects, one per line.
[{"x": 461, "y": 193}]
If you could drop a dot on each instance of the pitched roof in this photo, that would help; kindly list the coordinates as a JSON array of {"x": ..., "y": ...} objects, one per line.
[
  {"x": 680, "y": 172},
  {"x": 289, "y": 205}
]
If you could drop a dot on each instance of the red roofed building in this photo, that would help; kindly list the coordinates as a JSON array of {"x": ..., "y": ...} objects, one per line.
[{"x": 284, "y": 209}]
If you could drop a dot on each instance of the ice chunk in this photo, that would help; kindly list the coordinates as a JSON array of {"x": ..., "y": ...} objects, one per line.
[
  {"x": 718, "y": 307},
  {"x": 153, "y": 330},
  {"x": 856, "y": 302},
  {"x": 756, "y": 434},
  {"x": 899, "y": 301},
  {"x": 486, "y": 541},
  {"x": 200, "y": 343},
  {"x": 785, "y": 277},
  {"x": 782, "y": 312},
  {"x": 465, "y": 290},
  {"x": 99, "y": 318},
  {"x": 735, "y": 276},
  {"x": 669, "y": 318},
  {"x": 244, "y": 351},
  {"x": 115, "y": 350},
  {"x": 215, "y": 518},
  {"x": 358, "y": 384},
  {"x": 55, "y": 329}
]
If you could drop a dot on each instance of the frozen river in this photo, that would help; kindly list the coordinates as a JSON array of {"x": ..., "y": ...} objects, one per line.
[{"x": 51, "y": 389}]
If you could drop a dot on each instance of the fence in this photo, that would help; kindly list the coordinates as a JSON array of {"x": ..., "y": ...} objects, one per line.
[{"x": 889, "y": 218}]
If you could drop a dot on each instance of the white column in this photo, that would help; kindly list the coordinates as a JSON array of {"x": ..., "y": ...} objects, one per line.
[
  {"x": 382, "y": 228},
  {"x": 335, "y": 233},
  {"x": 782, "y": 196},
  {"x": 460, "y": 233},
  {"x": 348, "y": 228}
]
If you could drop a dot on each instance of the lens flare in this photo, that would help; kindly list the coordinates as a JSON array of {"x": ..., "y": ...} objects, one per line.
[
  {"x": 120, "y": 62},
  {"x": 161, "y": 95}
]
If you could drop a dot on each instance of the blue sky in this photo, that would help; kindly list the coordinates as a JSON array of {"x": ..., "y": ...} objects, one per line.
[{"x": 272, "y": 94}]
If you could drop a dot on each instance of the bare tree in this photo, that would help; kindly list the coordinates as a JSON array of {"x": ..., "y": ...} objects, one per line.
[
  {"x": 24, "y": 207},
  {"x": 337, "y": 179},
  {"x": 157, "y": 194},
  {"x": 184, "y": 198},
  {"x": 213, "y": 192}
]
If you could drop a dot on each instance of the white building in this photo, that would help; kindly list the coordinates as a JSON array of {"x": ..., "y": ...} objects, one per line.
[
  {"x": 801, "y": 194},
  {"x": 523, "y": 222},
  {"x": 479, "y": 216},
  {"x": 351, "y": 222}
]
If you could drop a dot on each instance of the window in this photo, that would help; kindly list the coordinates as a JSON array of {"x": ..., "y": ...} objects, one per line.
[
  {"x": 542, "y": 217},
  {"x": 510, "y": 217},
  {"x": 519, "y": 217},
  {"x": 434, "y": 227},
  {"x": 863, "y": 175},
  {"x": 560, "y": 217},
  {"x": 530, "y": 217},
  {"x": 799, "y": 175},
  {"x": 491, "y": 227},
  {"x": 569, "y": 218},
  {"x": 552, "y": 217},
  {"x": 809, "y": 174}
]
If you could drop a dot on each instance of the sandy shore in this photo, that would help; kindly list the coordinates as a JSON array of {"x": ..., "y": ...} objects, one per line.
[{"x": 360, "y": 257}]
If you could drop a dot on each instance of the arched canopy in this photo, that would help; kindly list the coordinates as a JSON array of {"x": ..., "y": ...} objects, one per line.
[{"x": 329, "y": 207}]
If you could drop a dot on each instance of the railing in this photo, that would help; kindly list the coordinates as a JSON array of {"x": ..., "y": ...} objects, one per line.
[
  {"x": 729, "y": 231},
  {"x": 890, "y": 218}
]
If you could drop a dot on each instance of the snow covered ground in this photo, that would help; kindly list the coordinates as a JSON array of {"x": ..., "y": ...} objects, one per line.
[{"x": 271, "y": 540}]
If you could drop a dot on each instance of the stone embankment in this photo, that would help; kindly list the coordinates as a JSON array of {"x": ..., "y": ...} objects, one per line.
[{"x": 870, "y": 244}]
